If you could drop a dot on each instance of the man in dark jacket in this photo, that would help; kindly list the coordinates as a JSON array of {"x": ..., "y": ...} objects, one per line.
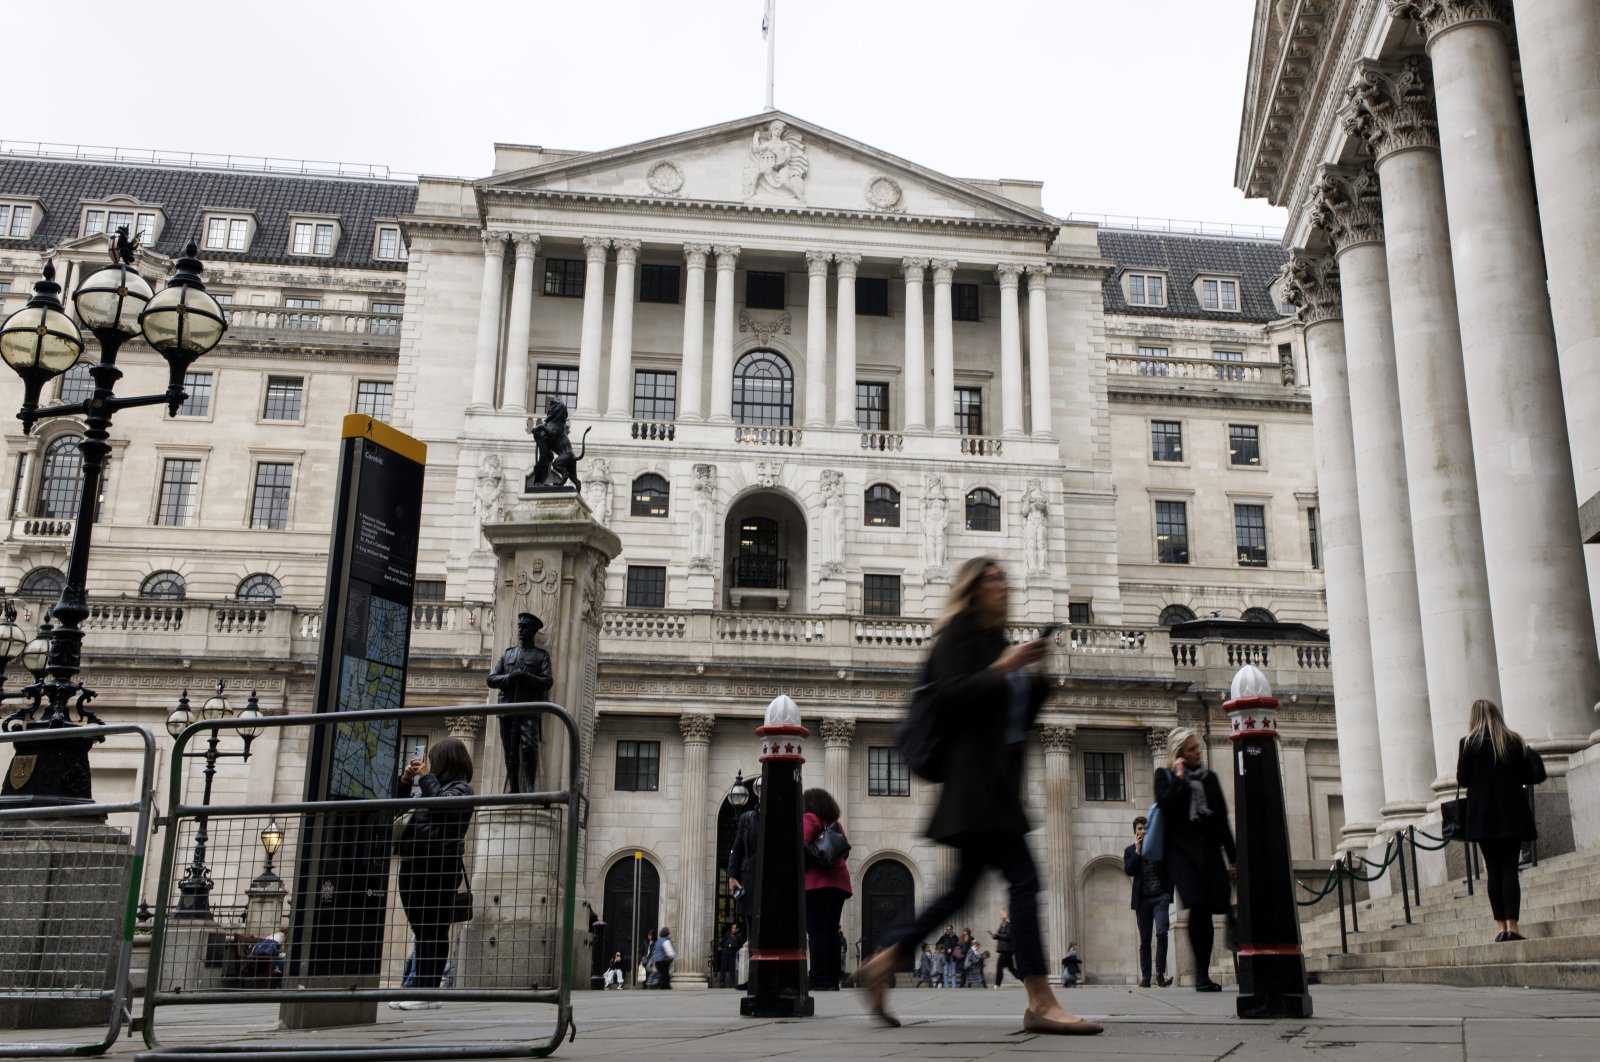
[
  {"x": 742, "y": 858},
  {"x": 1006, "y": 951},
  {"x": 1152, "y": 896}
]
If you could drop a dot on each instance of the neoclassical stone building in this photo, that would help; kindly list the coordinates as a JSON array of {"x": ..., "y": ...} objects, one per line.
[
  {"x": 811, "y": 379},
  {"x": 1444, "y": 225}
]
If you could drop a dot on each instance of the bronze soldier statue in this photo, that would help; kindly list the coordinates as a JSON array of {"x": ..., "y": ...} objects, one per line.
[{"x": 522, "y": 674}]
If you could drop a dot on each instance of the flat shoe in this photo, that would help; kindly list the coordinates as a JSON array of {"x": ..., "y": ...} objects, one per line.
[
  {"x": 1209, "y": 986},
  {"x": 1033, "y": 1023},
  {"x": 1501, "y": 937},
  {"x": 877, "y": 988}
]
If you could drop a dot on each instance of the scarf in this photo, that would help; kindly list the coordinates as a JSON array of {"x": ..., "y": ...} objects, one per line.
[{"x": 1198, "y": 807}]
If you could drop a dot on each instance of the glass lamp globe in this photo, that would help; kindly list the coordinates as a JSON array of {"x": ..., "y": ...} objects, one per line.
[
  {"x": 272, "y": 838},
  {"x": 40, "y": 341},
  {"x": 181, "y": 320},
  {"x": 112, "y": 300},
  {"x": 251, "y": 717},
  {"x": 216, "y": 706},
  {"x": 738, "y": 796},
  {"x": 181, "y": 716},
  {"x": 36, "y": 656},
  {"x": 12, "y": 640}
]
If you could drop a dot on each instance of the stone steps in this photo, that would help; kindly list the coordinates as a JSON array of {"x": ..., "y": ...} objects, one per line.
[
  {"x": 1469, "y": 925},
  {"x": 1579, "y": 975}
]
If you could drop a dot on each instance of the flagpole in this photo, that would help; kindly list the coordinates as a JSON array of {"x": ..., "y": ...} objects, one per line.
[{"x": 772, "y": 41}]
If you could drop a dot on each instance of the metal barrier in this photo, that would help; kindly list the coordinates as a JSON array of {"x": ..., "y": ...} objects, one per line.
[
  {"x": 69, "y": 887},
  {"x": 373, "y": 917}
]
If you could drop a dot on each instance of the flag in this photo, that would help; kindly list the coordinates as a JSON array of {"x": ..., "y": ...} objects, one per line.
[{"x": 766, "y": 19}]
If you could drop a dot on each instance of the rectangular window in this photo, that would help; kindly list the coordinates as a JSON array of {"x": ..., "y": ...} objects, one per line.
[
  {"x": 117, "y": 219},
  {"x": 764, "y": 291},
  {"x": 655, "y": 395},
  {"x": 238, "y": 231},
  {"x": 638, "y": 766},
  {"x": 76, "y": 384},
  {"x": 1079, "y": 613},
  {"x": 386, "y": 326},
  {"x": 1230, "y": 372},
  {"x": 1166, "y": 440},
  {"x": 21, "y": 218},
  {"x": 216, "y": 231},
  {"x": 969, "y": 410},
  {"x": 197, "y": 385},
  {"x": 180, "y": 482},
  {"x": 1316, "y": 537},
  {"x": 658, "y": 283},
  {"x": 647, "y": 586},
  {"x": 1244, "y": 445},
  {"x": 880, "y": 595},
  {"x": 872, "y": 406},
  {"x": 1250, "y": 535},
  {"x": 94, "y": 222},
  {"x": 555, "y": 381},
  {"x": 563, "y": 278},
  {"x": 887, "y": 773},
  {"x": 302, "y": 322},
  {"x": 1172, "y": 532},
  {"x": 1152, "y": 361},
  {"x": 872, "y": 297},
  {"x": 284, "y": 396},
  {"x": 324, "y": 243},
  {"x": 389, "y": 246},
  {"x": 375, "y": 398},
  {"x": 304, "y": 234},
  {"x": 964, "y": 302},
  {"x": 269, "y": 508},
  {"x": 1219, "y": 294},
  {"x": 427, "y": 590},
  {"x": 227, "y": 234},
  {"x": 1104, "y": 777},
  {"x": 1147, "y": 289}
]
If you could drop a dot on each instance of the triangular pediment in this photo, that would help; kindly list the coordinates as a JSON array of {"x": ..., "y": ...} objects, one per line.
[{"x": 770, "y": 160}]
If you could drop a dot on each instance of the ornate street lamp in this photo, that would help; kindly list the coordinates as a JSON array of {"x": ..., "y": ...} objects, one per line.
[
  {"x": 194, "y": 891},
  {"x": 739, "y": 795},
  {"x": 271, "y": 842}
]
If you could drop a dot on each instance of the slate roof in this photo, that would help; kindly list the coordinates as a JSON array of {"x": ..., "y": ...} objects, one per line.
[
  {"x": 184, "y": 194},
  {"x": 1182, "y": 258}
]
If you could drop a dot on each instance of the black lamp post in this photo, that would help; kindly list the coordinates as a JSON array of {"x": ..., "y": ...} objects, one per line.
[
  {"x": 40, "y": 342},
  {"x": 194, "y": 891}
]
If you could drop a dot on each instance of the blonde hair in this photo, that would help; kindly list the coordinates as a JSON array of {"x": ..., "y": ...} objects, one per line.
[
  {"x": 964, "y": 591},
  {"x": 1176, "y": 739},
  {"x": 1487, "y": 724}
]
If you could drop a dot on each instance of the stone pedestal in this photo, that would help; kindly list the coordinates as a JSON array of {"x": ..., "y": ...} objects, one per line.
[
  {"x": 514, "y": 938},
  {"x": 1583, "y": 797},
  {"x": 264, "y": 905},
  {"x": 183, "y": 956}
]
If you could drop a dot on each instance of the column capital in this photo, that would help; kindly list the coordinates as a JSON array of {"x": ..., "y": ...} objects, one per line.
[
  {"x": 838, "y": 733},
  {"x": 1433, "y": 17},
  {"x": 727, "y": 255},
  {"x": 527, "y": 243},
  {"x": 845, "y": 263},
  {"x": 1008, "y": 274},
  {"x": 594, "y": 249},
  {"x": 1348, "y": 206},
  {"x": 465, "y": 727},
  {"x": 1311, "y": 286},
  {"x": 913, "y": 268},
  {"x": 627, "y": 251},
  {"x": 944, "y": 270},
  {"x": 1392, "y": 107},
  {"x": 1037, "y": 276},
  {"x": 817, "y": 263},
  {"x": 1156, "y": 738},
  {"x": 1297, "y": 743},
  {"x": 696, "y": 727},
  {"x": 494, "y": 242},
  {"x": 694, "y": 255},
  {"x": 1057, "y": 737}
]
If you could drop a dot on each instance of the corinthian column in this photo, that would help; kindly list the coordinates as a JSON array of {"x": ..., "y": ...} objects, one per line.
[
  {"x": 1313, "y": 288},
  {"x": 844, "y": 347},
  {"x": 1039, "y": 350},
  {"x": 487, "y": 354},
  {"x": 722, "y": 337},
  {"x": 837, "y": 736},
  {"x": 1393, "y": 111},
  {"x": 944, "y": 349},
  {"x": 1348, "y": 208},
  {"x": 594, "y": 301},
  {"x": 1009, "y": 275},
  {"x": 620, "y": 404},
  {"x": 514, "y": 397},
  {"x": 694, "y": 332},
  {"x": 817, "y": 338},
  {"x": 1543, "y": 626},
  {"x": 692, "y": 943},
  {"x": 1057, "y": 742},
  {"x": 916, "y": 416}
]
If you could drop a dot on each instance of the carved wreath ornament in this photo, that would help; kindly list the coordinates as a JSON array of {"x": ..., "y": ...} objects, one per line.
[
  {"x": 883, "y": 193},
  {"x": 665, "y": 178}
]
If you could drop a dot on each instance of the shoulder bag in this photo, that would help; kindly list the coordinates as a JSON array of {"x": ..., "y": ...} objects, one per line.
[
  {"x": 1155, "y": 834},
  {"x": 461, "y": 906},
  {"x": 1453, "y": 818},
  {"x": 830, "y": 847}
]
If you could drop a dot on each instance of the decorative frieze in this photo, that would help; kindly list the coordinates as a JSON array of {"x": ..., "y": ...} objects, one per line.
[
  {"x": 1311, "y": 286},
  {"x": 1392, "y": 107},
  {"x": 1348, "y": 206},
  {"x": 1433, "y": 17}
]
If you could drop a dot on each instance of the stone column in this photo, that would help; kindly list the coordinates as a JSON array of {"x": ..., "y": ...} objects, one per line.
[
  {"x": 594, "y": 302},
  {"x": 837, "y": 736},
  {"x": 1057, "y": 740},
  {"x": 1009, "y": 275},
  {"x": 1348, "y": 208},
  {"x": 722, "y": 337},
  {"x": 1039, "y": 351},
  {"x": 844, "y": 346},
  {"x": 694, "y": 332},
  {"x": 619, "y": 406},
  {"x": 690, "y": 930},
  {"x": 1297, "y": 795},
  {"x": 1313, "y": 287},
  {"x": 916, "y": 378},
  {"x": 944, "y": 351},
  {"x": 1393, "y": 111},
  {"x": 487, "y": 356},
  {"x": 514, "y": 396},
  {"x": 817, "y": 338},
  {"x": 1543, "y": 626}
]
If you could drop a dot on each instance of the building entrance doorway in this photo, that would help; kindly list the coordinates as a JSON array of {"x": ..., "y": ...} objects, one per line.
[
  {"x": 888, "y": 897},
  {"x": 623, "y": 932}
]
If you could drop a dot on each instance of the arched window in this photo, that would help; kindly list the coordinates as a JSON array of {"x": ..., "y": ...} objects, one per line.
[
  {"x": 650, "y": 495},
  {"x": 76, "y": 383},
  {"x": 1258, "y": 615},
  {"x": 164, "y": 586},
  {"x": 882, "y": 507},
  {"x": 260, "y": 589},
  {"x": 42, "y": 583},
  {"x": 983, "y": 510},
  {"x": 60, "y": 479},
  {"x": 1174, "y": 614},
  {"x": 763, "y": 389}
]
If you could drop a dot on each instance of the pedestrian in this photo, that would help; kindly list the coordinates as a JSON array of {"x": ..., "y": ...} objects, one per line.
[
  {"x": 742, "y": 857},
  {"x": 1071, "y": 967},
  {"x": 614, "y": 972},
  {"x": 975, "y": 960},
  {"x": 1003, "y": 951},
  {"x": 1497, "y": 768},
  {"x": 431, "y": 859},
  {"x": 827, "y": 888},
  {"x": 1152, "y": 895},
  {"x": 986, "y": 697},
  {"x": 662, "y": 958},
  {"x": 924, "y": 974},
  {"x": 645, "y": 959},
  {"x": 728, "y": 955},
  {"x": 1199, "y": 844},
  {"x": 946, "y": 946}
]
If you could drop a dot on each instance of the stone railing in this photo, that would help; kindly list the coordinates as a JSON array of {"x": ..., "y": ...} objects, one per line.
[
  {"x": 291, "y": 325},
  {"x": 644, "y": 623},
  {"x": 655, "y": 430},
  {"x": 1212, "y": 662},
  {"x": 764, "y": 435},
  {"x": 893, "y": 632},
  {"x": 448, "y": 627},
  {"x": 50, "y": 528},
  {"x": 980, "y": 446},
  {"x": 883, "y": 441},
  {"x": 1269, "y": 372}
]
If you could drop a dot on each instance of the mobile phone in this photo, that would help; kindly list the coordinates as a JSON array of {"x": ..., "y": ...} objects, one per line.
[{"x": 1050, "y": 630}]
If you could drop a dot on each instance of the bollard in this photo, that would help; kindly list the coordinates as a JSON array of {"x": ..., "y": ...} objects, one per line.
[
  {"x": 778, "y": 917},
  {"x": 1272, "y": 970}
]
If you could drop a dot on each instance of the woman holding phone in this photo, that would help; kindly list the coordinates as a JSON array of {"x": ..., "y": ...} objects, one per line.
[{"x": 431, "y": 851}]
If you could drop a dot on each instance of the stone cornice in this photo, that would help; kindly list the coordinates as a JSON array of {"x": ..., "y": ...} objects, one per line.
[
  {"x": 1311, "y": 286},
  {"x": 1392, "y": 107},
  {"x": 1348, "y": 206},
  {"x": 1273, "y": 116},
  {"x": 1433, "y": 17},
  {"x": 1174, "y": 395}
]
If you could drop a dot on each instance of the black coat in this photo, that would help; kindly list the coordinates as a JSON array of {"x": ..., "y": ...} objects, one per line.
[
  {"x": 431, "y": 865},
  {"x": 1497, "y": 802},
  {"x": 1195, "y": 850},
  {"x": 742, "y": 856},
  {"x": 982, "y": 791},
  {"x": 1133, "y": 866}
]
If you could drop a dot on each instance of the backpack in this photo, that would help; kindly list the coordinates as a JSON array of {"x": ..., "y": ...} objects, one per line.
[
  {"x": 921, "y": 733},
  {"x": 830, "y": 846}
]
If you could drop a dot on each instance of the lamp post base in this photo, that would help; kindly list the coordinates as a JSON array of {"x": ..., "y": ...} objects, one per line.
[{"x": 48, "y": 772}]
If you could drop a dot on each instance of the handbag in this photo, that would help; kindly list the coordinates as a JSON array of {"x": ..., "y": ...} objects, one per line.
[
  {"x": 921, "y": 732},
  {"x": 400, "y": 833},
  {"x": 1155, "y": 835},
  {"x": 1453, "y": 818},
  {"x": 829, "y": 847},
  {"x": 461, "y": 908}
]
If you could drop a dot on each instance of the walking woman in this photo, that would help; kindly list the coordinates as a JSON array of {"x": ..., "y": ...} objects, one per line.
[
  {"x": 827, "y": 888},
  {"x": 987, "y": 699},
  {"x": 1495, "y": 764},
  {"x": 1198, "y": 839},
  {"x": 431, "y": 867}
]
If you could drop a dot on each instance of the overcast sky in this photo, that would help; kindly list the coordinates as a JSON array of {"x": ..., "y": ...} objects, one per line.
[{"x": 1119, "y": 107}]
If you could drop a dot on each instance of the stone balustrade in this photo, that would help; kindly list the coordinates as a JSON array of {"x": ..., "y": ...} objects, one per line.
[
  {"x": 316, "y": 326},
  {"x": 980, "y": 446},
  {"x": 655, "y": 430},
  {"x": 1212, "y": 662},
  {"x": 42, "y": 528},
  {"x": 766, "y": 435},
  {"x": 883, "y": 441},
  {"x": 1208, "y": 369}
]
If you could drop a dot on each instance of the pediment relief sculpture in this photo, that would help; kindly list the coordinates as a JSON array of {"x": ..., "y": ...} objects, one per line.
[
  {"x": 765, "y": 327},
  {"x": 778, "y": 164}
]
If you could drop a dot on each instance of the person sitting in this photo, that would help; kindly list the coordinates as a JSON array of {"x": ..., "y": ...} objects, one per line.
[
  {"x": 1071, "y": 967},
  {"x": 614, "y": 971}
]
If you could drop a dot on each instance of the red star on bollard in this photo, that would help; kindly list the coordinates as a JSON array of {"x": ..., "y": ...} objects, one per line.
[
  {"x": 1251, "y": 722},
  {"x": 788, "y": 747}
]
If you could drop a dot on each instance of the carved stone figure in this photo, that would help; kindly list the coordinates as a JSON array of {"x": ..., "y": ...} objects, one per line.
[
  {"x": 778, "y": 163},
  {"x": 557, "y": 465},
  {"x": 935, "y": 524},
  {"x": 522, "y": 674},
  {"x": 702, "y": 517},
  {"x": 489, "y": 497},
  {"x": 768, "y": 473},
  {"x": 597, "y": 491},
  {"x": 1035, "y": 527},
  {"x": 832, "y": 523}
]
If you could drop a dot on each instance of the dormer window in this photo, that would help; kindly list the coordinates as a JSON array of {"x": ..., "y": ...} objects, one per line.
[
  {"x": 229, "y": 232},
  {"x": 18, "y": 218},
  {"x": 106, "y": 217},
  {"x": 313, "y": 236},
  {"x": 1218, "y": 293},
  {"x": 387, "y": 245},
  {"x": 1145, "y": 289}
]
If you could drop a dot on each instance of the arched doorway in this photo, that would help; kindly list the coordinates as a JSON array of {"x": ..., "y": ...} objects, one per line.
[
  {"x": 727, "y": 823},
  {"x": 765, "y": 543},
  {"x": 1108, "y": 938},
  {"x": 622, "y": 932},
  {"x": 888, "y": 897}
]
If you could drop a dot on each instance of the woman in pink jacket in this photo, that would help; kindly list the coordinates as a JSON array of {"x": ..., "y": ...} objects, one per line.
[{"x": 827, "y": 888}]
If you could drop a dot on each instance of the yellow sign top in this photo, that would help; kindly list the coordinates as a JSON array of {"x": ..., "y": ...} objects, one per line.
[{"x": 361, "y": 426}]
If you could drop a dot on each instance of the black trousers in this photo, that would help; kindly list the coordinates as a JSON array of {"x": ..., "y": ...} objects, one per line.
[
  {"x": 1005, "y": 962},
  {"x": 823, "y": 908},
  {"x": 1201, "y": 936},
  {"x": 1151, "y": 915},
  {"x": 1007, "y": 853},
  {"x": 1500, "y": 857}
]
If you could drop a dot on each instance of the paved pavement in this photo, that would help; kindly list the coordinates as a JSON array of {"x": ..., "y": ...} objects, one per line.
[{"x": 1353, "y": 1023}]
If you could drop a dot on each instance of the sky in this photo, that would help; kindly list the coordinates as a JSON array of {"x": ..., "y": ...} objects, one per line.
[{"x": 1127, "y": 107}]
